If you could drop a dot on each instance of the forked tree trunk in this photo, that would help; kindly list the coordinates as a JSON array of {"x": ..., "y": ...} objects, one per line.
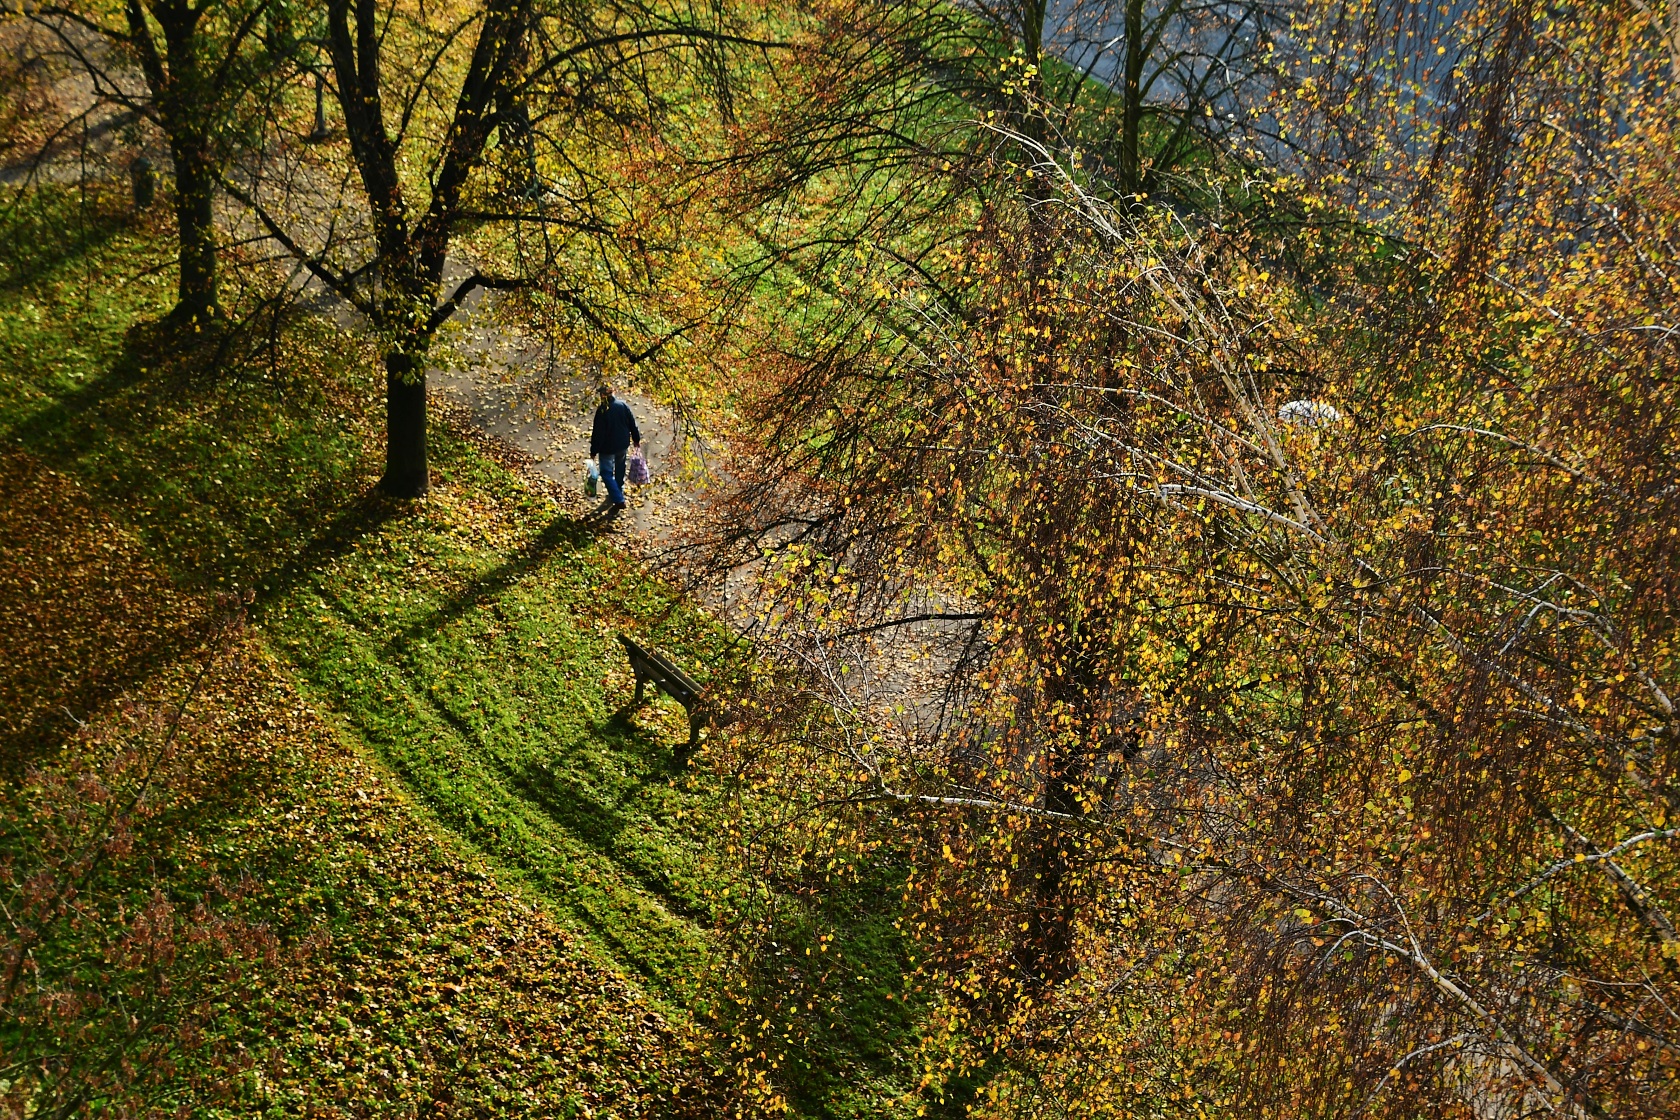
[
  {"x": 405, "y": 428},
  {"x": 184, "y": 101},
  {"x": 413, "y": 243}
]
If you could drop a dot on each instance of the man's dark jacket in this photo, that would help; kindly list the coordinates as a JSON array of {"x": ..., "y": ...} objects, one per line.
[{"x": 615, "y": 427}]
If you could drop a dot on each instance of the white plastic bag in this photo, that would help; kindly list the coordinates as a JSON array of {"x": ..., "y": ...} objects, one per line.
[{"x": 592, "y": 479}]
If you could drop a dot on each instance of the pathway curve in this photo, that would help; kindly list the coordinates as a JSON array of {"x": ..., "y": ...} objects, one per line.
[
  {"x": 517, "y": 391},
  {"x": 514, "y": 391}
]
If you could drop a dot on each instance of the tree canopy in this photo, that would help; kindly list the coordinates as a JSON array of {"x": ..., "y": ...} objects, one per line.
[{"x": 1200, "y": 507}]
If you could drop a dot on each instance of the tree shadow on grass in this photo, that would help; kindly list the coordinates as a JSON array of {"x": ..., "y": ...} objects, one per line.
[
  {"x": 53, "y": 432},
  {"x": 83, "y": 616},
  {"x": 601, "y": 822},
  {"x": 624, "y": 919},
  {"x": 296, "y": 495},
  {"x": 597, "y": 822},
  {"x": 101, "y": 440},
  {"x": 86, "y": 618},
  {"x": 364, "y": 516},
  {"x": 49, "y": 231},
  {"x": 562, "y": 532}
]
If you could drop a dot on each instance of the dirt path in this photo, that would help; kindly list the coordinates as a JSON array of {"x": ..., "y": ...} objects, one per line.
[
  {"x": 511, "y": 388},
  {"x": 517, "y": 391},
  {"x": 516, "y": 394}
]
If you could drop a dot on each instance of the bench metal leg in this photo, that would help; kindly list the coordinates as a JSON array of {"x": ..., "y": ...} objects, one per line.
[{"x": 639, "y": 682}]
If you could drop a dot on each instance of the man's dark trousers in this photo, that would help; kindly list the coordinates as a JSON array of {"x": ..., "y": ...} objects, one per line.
[{"x": 612, "y": 473}]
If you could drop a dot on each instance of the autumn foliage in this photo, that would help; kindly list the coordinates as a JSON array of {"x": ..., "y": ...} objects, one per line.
[
  {"x": 1294, "y": 572},
  {"x": 1205, "y": 570}
]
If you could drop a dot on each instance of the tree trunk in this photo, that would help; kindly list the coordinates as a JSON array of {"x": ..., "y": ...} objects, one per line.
[
  {"x": 1049, "y": 947},
  {"x": 1131, "y": 124},
  {"x": 195, "y": 299},
  {"x": 405, "y": 428},
  {"x": 516, "y": 136},
  {"x": 1030, "y": 98},
  {"x": 183, "y": 101}
]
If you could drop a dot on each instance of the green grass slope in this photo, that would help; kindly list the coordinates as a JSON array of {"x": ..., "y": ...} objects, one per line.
[
  {"x": 465, "y": 643},
  {"x": 467, "y": 758}
]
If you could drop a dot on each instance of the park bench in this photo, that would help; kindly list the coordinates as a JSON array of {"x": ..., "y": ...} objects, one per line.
[{"x": 672, "y": 681}]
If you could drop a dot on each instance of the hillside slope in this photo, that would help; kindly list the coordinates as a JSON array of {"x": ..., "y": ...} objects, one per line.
[{"x": 313, "y": 715}]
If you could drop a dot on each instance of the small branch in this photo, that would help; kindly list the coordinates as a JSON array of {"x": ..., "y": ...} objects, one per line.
[
  {"x": 885, "y": 793},
  {"x": 1230, "y": 501},
  {"x": 632, "y": 356},
  {"x": 340, "y": 285},
  {"x": 449, "y": 306},
  {"x": 907, "y": 620},
  {"x": 1582, "y": 860}
]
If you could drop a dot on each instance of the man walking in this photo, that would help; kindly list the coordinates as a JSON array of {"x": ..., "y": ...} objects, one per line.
[{"x": 615, "y": 430}]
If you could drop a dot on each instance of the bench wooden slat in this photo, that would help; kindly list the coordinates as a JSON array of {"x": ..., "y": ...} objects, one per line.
[
  {"x": 659, "y": 669},
  {"x": 674, "y": 673},
  {"x": 651, "y": 666}
]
